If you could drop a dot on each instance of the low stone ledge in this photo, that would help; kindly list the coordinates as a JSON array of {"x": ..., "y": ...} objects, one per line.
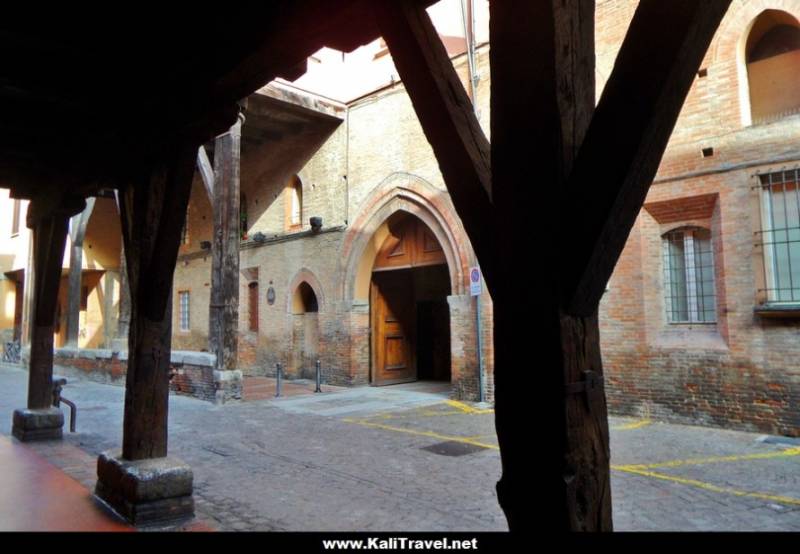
[
  {"x": 154, "y": 490},
  {"x": 41, "y": 424},
  {"x": 187, "y": 357},
  {"x": 191, "y": 373}
]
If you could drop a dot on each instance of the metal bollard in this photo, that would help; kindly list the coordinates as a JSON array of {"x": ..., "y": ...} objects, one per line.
[
  {"x": 319, "y": 377},
  {"x": 278, "y": 380}
]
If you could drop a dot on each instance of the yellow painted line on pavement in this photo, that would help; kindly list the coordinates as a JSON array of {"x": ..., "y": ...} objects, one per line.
[
  {"x": 422, "y": 413},
  {"x": 477, "y": 437},
  {"x": 708, "y": 486},
  {"x": 712, "y": 460},
  {"x": 467, "y": 409},
  {"x": 634, "y": 425},
  {"x": 431, "y": 434}
]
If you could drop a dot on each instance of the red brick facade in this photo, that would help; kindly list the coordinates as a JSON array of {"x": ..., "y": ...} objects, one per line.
[{"x": 743, "y": 371}]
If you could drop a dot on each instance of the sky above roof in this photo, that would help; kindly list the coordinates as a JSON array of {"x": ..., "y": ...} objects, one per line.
[{"x": 345, "y": 77}]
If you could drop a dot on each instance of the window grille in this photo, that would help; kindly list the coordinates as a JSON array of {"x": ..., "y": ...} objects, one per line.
[
  {"x": 780, "y": 235},
  {"x": 184, "y": 310},
  {"x": 689, "y": 287}
]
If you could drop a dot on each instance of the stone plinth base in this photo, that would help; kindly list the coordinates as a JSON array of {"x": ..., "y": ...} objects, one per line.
[
  {"x": 147, "y": 491},
  {"x": 41, "y": 424},
  {"x": 227, "y": 386}
]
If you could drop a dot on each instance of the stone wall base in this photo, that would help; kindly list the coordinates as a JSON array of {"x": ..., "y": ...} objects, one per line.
[{"x": 191, "y": 373}]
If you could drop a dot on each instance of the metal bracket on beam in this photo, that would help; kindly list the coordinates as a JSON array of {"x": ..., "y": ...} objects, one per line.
[{"x": 592, "y": 385}]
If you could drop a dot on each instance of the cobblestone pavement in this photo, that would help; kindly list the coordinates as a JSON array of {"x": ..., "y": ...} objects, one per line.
[{"x": 400, "y": 458}]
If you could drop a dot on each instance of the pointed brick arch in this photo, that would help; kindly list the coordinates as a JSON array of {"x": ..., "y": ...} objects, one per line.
[
  {"x": 305, "y": 275},
  {"x": 411, "y": 194}
]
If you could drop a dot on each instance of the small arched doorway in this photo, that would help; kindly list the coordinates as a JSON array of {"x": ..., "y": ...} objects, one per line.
[
  {"x": 305, "y": 331},
  {"x": 409, "y": 313}
]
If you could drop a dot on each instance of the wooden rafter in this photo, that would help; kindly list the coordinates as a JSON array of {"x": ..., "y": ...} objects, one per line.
[{"x": 447, "y": 117}]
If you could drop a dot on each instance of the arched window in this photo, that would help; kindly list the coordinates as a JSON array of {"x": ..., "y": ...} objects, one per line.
[
  {"x": 304, "y": 299},
  {"x": 772, "y": 54},
  {"x": 294, "y": 203},
  {"x": 689, "y": 288}
]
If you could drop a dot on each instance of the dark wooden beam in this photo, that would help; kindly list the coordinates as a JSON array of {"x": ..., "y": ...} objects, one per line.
[
  {"x": 223, "y": 321},
  {"x": 447, "y": 118},
  {"x": 629, "y": 132},
  {"x": 153, "y": 212},
  {"x": 542, "y": 63},
  {"x": 48, "y": 217},
  {"x": 77, "y": 232}
]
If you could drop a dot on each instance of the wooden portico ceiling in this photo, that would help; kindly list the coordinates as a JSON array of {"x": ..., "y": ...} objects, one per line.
[{"x": 83, "y": 100}]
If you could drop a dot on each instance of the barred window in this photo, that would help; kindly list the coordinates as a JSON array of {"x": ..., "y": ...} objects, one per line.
[
  {"x": 780, "y": 235},
  {"x": 689, "y": 290},
  {"x": 184, "y": 310}
]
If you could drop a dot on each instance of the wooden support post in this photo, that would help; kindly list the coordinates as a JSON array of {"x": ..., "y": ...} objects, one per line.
[
  {"x": 447, "y": 118},
  {"x": 120, "y": 341},
  {"x": 223, "y": 321},
  {"x": 542, "y": 100},
  {"x": 545, "y": 134},
  {"x": 48, "y": 217},
  {"x": 124, "y": 321},
  {"x": 152, "y": 211},
  {"x": 141, "y": 482},
  {"x": 77, "y": 232}
]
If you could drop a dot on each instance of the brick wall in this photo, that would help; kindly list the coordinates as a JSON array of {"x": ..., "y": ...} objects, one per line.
[
  {"x": 377, "y": 150},
  {"x": 191, "y": 373},
  {"x": 742, "y": 371}
]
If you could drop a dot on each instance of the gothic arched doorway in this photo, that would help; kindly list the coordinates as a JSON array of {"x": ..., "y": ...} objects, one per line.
[{"x": 409, "y": 313}]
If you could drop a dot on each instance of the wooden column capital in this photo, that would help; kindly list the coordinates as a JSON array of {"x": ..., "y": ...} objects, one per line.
[{"x": 53, "y": 203}]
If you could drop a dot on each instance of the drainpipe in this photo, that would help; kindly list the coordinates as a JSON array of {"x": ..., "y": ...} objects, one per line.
[{"x": 468, "y": 19}]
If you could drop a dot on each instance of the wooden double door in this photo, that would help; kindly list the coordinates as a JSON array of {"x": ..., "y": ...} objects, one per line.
[
  {"x": 410, "y": 316},
  {"x": 410, "y": 326}
]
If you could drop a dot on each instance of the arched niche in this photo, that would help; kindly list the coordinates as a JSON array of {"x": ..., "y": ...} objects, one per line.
[
  {"x": 771, "y": 56},
  {"x": 304, "y": 299}
]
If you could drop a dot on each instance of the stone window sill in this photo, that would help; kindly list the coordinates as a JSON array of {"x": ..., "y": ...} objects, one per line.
[
  {"x": 689, "y": 336},
  {"x": 785, "y": 311}
]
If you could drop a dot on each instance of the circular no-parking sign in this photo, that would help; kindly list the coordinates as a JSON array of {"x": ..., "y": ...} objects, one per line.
[{"x": 475, "y": 281}]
